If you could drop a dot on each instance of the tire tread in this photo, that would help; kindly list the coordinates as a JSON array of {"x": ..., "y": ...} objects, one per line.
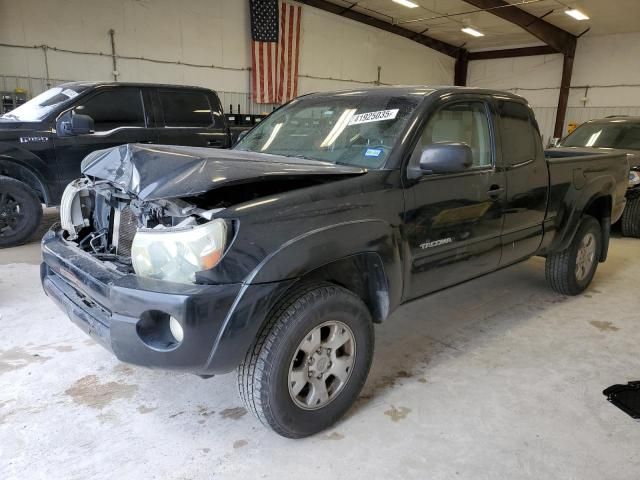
[
  {"x": 631, "y": 218},
  {"x": 557, "y": 266},
  {"x": 251, "y": 378}
]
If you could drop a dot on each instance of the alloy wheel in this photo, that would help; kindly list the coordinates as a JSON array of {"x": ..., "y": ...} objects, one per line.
[{"x": 321, "y": 365}]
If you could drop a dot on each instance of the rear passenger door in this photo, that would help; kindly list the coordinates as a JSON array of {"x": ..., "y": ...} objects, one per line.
[
  {"x": 527, "y": 180},
  {"x": 190, "y": 117},
  {"x": 453, "y": 221}
]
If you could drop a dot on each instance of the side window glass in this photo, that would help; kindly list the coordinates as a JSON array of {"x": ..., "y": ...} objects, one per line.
[
  {"x": 517, "y": 133},
  {"x": 464, "y": 122},
  {"x": 114, "y": 108},
  {"x": 186, "y": 109}
]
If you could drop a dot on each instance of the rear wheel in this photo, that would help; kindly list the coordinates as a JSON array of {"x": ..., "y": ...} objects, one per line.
[
  {"x": 310, "y": 362},
  {"x": 569, "y": 272},
  {"x": 631, "y": 218},
  {"x": 20, "y": 212}
]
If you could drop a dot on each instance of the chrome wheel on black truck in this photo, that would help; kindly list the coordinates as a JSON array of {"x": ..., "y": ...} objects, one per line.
[
  {"x": 20, "y": 212},
  {"x": 570, "y": 271},
  {"x": 310, "y": 361}
]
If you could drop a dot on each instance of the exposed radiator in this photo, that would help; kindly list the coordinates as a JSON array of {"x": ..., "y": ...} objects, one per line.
[{"x": 126, "y": 231}]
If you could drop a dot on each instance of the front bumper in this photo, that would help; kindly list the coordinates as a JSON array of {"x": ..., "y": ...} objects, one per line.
[{"x": 219, "y": 321}]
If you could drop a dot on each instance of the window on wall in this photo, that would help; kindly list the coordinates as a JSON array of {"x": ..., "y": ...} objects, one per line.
[
  {"x": 186, "y": 109},
  {"x": 463, "y": 122},
  {"x": 112, "y": 109},
  {"x": 516, "y": 133}
]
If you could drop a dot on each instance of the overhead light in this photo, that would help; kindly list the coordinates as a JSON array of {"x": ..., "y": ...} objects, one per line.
[
  {"x": 472, "y": 31},
  {"x": 577, "y": 14},
  {"x": 407, "y": 3}
]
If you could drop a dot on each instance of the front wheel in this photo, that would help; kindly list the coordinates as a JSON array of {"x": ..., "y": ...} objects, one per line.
[
  {"x": 570, "y": 271},
  {"x": 20, "y": 212},
  {"x": 310, "y": 361},
  {"x": 631, "y": 218}
]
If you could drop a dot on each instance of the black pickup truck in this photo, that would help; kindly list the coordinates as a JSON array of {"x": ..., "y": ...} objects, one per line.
[
  {"x": 617, "y": 134},
  {"x": 278, "y": 256},
  {"x": 43, "y": 141}
]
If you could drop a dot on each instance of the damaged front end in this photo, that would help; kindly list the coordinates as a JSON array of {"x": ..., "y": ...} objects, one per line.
[
  {"x": 139, "y": 231},
  {"x": 164, "y": 239},
  {"x": 151, "y": 210}
]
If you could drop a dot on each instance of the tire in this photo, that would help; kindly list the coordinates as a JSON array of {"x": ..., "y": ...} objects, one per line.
[
  {"x": 268, "y": 378},
  {"x": 565, "y": 272},
  {"x": 631, "y": 218},
  {"x": 20, "y": 212}
]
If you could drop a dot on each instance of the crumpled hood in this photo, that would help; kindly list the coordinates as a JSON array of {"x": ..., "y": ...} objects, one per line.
[{"x": 152, "y": 172}]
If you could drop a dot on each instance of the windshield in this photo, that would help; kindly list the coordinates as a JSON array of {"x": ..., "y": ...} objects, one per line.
[
  {"x": 39, "y": 107},
  {"x": 615, "y": 134},
  {"x": 357, "y": 129}
]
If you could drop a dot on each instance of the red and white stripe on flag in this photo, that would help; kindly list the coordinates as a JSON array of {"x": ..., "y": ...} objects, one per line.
[{"x": 274, "y": 74}]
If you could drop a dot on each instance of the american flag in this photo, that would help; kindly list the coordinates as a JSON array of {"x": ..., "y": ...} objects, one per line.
[{"x": 275, "y": 35}]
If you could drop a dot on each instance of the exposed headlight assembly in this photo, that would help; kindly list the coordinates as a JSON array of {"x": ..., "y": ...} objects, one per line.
[
  {"x": 176, "y": 254},
  {"x": 634, "y": 178}
]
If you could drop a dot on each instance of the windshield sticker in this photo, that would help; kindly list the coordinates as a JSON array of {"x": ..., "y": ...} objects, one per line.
[
  {"x": 373, "y": 152},
  {"x": 70, "y": 93},
  {"x": 374, "y": 116}
]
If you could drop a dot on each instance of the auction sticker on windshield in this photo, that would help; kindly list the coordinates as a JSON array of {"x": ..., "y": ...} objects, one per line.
[{"x": 374, "y": 116}]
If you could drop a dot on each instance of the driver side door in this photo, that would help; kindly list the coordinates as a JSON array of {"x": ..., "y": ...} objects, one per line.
[
  {"x": 454, "y": 221},
  {"x": 119, "y": 117}
]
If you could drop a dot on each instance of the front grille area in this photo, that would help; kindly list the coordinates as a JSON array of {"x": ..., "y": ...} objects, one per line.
[{"x": 126, "y": 232}]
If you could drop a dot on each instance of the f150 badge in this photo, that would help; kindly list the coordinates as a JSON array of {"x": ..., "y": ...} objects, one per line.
[
  {"x": 436, "y": 243},
  {"x": 33, "y": 139}
]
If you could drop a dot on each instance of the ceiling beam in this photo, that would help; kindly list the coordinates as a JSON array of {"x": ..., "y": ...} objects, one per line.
[
  {"x": 460, "y": 70},
  {"x": 563, "y": 97},
  {"x": 560, "y": 40},
  {"x": 440, "y": 46},
  {"x": 512, "y": 52}
]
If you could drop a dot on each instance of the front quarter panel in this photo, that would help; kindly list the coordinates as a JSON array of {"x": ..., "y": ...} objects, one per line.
[
  {"x": 282, "y": 236},
  {"x": 30, "y": 157}
]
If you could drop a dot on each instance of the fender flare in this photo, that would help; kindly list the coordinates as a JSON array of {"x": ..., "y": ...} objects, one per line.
[
  {"x": 370, "y": 243},
  {"x": 598, "y": 189},
  {"x": 17, "y": 167},
  {"x": 301, "y": 258}
]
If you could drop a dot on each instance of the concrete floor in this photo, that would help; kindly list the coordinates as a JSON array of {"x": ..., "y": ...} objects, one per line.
[{"x": 497, "y": 378}]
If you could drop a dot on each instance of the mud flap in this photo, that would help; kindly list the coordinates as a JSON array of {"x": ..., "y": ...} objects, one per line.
[
  {"x": 626, "y": 398},
  {"x": 605, "y": 224}
]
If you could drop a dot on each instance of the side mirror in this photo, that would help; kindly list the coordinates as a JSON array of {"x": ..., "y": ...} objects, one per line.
[
  {"x": 81, "y": 124},
  {"x": 69, "y": 124},
  {"x": 241, "y": 135},
  {"x": 446, "y": 158}
]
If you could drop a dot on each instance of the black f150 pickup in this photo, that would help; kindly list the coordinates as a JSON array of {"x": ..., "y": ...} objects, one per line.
[
  {"x": 617, "y": 134},
  {"x": 43, "y": 141},
  {"x": 278, "y": 256}
]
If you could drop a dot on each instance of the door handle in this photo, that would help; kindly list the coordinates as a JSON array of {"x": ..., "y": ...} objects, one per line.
[
  {"x": 215, "y": 143},
  {"x": 495, "y": 191}
]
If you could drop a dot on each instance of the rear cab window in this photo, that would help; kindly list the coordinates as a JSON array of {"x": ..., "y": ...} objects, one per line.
[{"x": 519, "y": 135}]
